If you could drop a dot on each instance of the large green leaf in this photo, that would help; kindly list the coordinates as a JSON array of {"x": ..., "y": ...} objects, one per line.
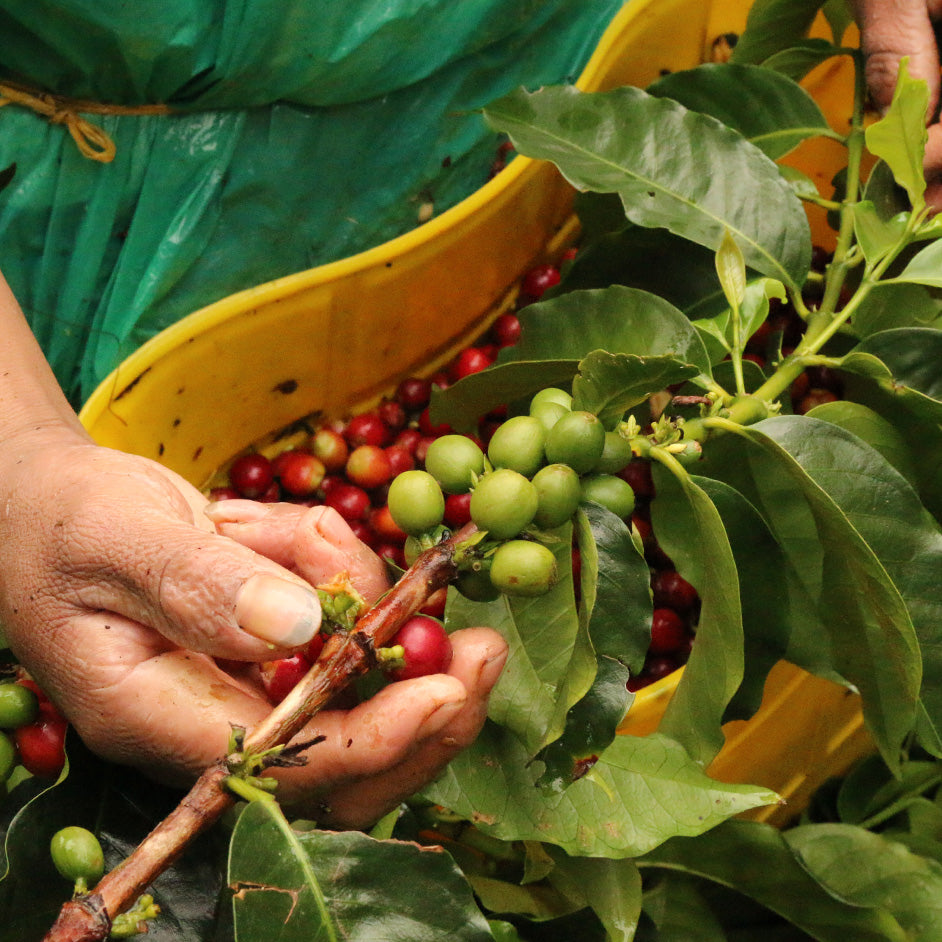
[
  {"x": 756, "y": 860},
  {"x": 767, "y": 108},
  {"x": 639, "y": 793},
  {"x": 677, "y": 169},
  {"x": 766, "y": 617},
  {"x": 870, "y": 870},
  {"x": 891, "y": 305},
  {"x": 772, "y": 26},
  {"x": 799, "y": 59},
  {"x": 559, "y": 333},
  {"x": 676, "y": 906},
  {"x": 317, "y": 886},
  {"x": 691, "y": 532},
  {"x": 899, "y": 137},
  {"x": 549, "y": 666},
  {"x": 875, "y": 235},
  {"x": 923, "y": 268},
  {"x": 859, "y": 623},
  {"x": 886, "y": 512}
]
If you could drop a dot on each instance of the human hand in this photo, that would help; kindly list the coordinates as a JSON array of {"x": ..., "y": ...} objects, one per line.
[
  {"x": 118, "y": 594},
  {"x": 890, "y": 30}
]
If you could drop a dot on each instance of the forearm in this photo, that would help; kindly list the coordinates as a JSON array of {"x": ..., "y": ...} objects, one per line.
[{"x": 30, "y": 397}]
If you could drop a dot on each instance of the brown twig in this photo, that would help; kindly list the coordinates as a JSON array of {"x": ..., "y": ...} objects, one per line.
[{"x": 344, "y": 657}]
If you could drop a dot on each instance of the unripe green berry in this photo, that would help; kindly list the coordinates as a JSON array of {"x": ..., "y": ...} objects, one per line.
[
  {"x": 77, "y": 854},
  {"x": 559, "y": 491},
  {"x": 616, "y": 453},
  {"x": 518, "y": 444},
  {"x": 524, "y": 568},
  {"x": 548, "y": 413},
  {"x": 476, "y": 585},
  {"x": 454, "y": 461},
  {"x": 503, "y": 503},
  {"x": 7, "y": 757},
  {"x": 416, "y": 502},
  {"x": 551, "y": 394},
  {"x": 611, "y": 492},
  {"x": 18, "y": 706},
  {"x": 577, "y": 439}
]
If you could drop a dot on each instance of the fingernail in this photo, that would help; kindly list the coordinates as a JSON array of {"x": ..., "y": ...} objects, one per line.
[
  {"x": 441, "y": 716},
  {"x": 235, "y": 511},
  {"x": 492, "y": 667},
  {"x": 276, "y": 610}
]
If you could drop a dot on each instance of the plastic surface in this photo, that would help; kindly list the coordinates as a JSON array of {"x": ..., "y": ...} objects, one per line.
[
  {"x": 335, "y": 338},
  {"x": 302, "y": 131}
]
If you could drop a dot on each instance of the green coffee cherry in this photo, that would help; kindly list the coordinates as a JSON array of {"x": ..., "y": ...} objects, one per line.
[
  {"x": 7, "y": 757},
  {"x": 611, "y": 492},
  {"x": 616, "y": 453},
  {"x": 503, "y": 503},
  {"x": 552, "y": 394},
  {"x": 77, "y": 855},
  {"x": 523, "y": 568},
  {"x": 559, "y": 491},
  {"x": 518, "y": 444},
  {"x": 18, "y": 706},
  {"x": 454, "y": 461},
  {"x": 416, "y": 502},
  {"x": 577, "y": 439},
  {"x": 548, "y": 413},
  {"x": 476, "y": 585}
]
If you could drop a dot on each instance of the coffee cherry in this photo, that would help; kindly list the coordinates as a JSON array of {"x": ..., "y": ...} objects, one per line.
[
  {"x": 538, "y": 279},
  {"x": 299, "y": 472},
  {"x": 638, "y": 474},
  {"x": 551, "y": 394},
  {"x": 503, "y": 503},
  {"x": 41, "y": 746},
  {"x": 668, "y": 632},
  {"x": 77, "y": 855},
  {"x": 280, "y": 677},
  {"x": 414, "y": 393},
  {"x": 350, "y": 501},
  {"x": 400, "y": 459},
  {"x": 611, "y": 492},
  {"x": 426, "y": 648},
  {"x": 548, "y": 413},
  {"x": 385, "y": 527},
  {"x": 471, "y": 360},
  {"x": 7, "y": 757},
  {"x": 506, "y": 329},
  {"x": 457, "y": 510},
  {"x": 368, "y": 466},
  {"x": 518, "y": 445},
  {"x": 577, "y": 439},
  {"x": 616, "y": 454},
  {"x": 429, "y": 428},
  {"x": 416, "y": 502},
  {"x": 476, "y": 585},
  {"x": 454, "y": 461},
  {"x": 18, "y": 706},
  {"x": 559, "y": 493},
  {"x": 393, "y": 414},
  {"x": 672, "y": 590},
  {"x": 523, "y": 568},
  {"x": 367, "y": 428},
  {"x": 251, "y": 475},
  {"x": 331, "y": 448}
]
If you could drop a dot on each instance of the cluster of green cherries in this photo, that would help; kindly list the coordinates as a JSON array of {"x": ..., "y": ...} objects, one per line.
[{"x": 537, "y": 469}]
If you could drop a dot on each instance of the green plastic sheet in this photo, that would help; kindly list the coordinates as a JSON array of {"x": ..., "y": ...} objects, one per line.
[{"x": 299, "y": 132}]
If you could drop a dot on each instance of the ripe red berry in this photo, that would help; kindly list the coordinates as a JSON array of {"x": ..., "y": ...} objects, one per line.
[
  {"x": 400, "y": 459},
  {"x": 426, "y": 426},
  {"x": 668, "y": 631},
  {"x": 815, "y": 397},
  {"x": 471, "y": 360},
  {"x": 223, "y": 493},
  {"x": 435, "y": 606},
  {"x": 251, "y": 475},
  {"x": 506, "y": 329},
  {"x": 363, "y": 532},
  {"x": 299, "y": 472},
  {"x": 393, "y": 414},
  {"x": 426, "y": 646},
  {"x": 368, "y": 466},
  {"x": 457, "y": 510},
  {"x": 330, "y": 447},
  {"x": 413, "y": 393},
  {"x": 383, "y": 525},
  {"x": 393, "y": 552},
  {"x": 41, "y": 746},
  {"x": 408, "y": 438},
  {"x": 281, "y": 676},
  {"x": 367, "y": 428},
  {"x": 350, "y": 501},
  {"x": 638, "y": 474},
  {"x": 672, "y": 590},
  {"x": 538, "y": 279}
]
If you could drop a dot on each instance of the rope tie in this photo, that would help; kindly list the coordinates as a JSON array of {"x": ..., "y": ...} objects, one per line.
[{"x": 92, "y": 140}]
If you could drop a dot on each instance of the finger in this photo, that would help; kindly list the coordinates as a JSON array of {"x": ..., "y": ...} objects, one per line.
[
  {"x": 891, "y": 29},
  {"x": 479, "y": 656},
  {"x": 316, "y": 542},
  {"x": 933, "y": 167}
]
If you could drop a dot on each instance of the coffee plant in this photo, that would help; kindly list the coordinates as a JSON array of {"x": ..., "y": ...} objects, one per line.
[{"x": 699, "y": 441}]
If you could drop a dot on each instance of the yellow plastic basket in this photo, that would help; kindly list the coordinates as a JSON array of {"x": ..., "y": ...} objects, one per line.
[{"x": 334, "y": 339}]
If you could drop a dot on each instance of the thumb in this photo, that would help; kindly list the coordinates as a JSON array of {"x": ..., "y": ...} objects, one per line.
[{"x": 889, "y": 31}]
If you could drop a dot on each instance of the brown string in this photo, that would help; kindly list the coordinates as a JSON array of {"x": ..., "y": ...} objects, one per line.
[{"x": 92, "y": 141}]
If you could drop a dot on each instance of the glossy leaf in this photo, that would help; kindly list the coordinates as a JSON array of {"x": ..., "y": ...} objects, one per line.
[
  {"x": 679, "y": 170},
  {"x": 608, "y": 384},
  {"x": 767, "y": 108},
  {"x": 875, "y": 235},
  {"x": 640, "y": 792},
  {"x": 924, "y": 268},
  {"x": 867, "y": 869},
  {"x": 900, "y": 136},
  {"x": 676, "y": 906},
  {"x": 802, "y": 185},
  {"x": 845, "y": 610},
  {"x": 757, "y": 861},
  {"x": 897, "y": 305},
  {"x": 691, "y": 532},
  {"x": 799, "y": 59},
  {"x": 320, "y": 886},
  {"x": 772, "y": 26}
]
